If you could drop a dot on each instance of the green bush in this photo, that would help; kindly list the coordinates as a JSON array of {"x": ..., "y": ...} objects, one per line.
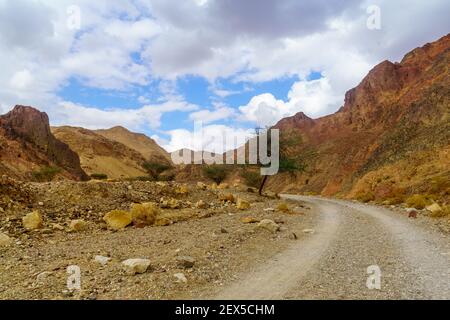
[
  {"x": 217, "y": 173},
  {"x": 45, "y": 174},
  {"x": 252, "y": 178},
  {"x": 155, "y": 168},
  {"x": 99, "y": 176}
]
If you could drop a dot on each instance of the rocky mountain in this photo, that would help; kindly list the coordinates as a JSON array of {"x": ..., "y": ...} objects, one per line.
[
  {"x": 389, "y": 140},
  {"x": 29, "y": 151},
  {"x": 146, "y": 146},
  {"x": 100, "y": 155}
]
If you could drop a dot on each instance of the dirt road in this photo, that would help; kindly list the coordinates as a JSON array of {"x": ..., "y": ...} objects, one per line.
[{"x": 333, "y": 262}]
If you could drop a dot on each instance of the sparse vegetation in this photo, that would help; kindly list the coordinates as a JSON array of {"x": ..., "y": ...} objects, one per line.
[
  {"x": 45, "y": 174},
  {"x": 287, "y": 163},
  {"x": 252, "y": 178},
  {"x": 217, "y": 173},
  {"x": 417, "y": 201},
  {"x": 99, "y": 176},
  {"x": 365, "y": 196},
  {"x": 155, "y": 169}
]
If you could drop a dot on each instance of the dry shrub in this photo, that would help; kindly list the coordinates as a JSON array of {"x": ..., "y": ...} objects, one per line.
[
  {"x": 417, "y": 201},
  {"x": 145, "y": 213},
  {"x": 365, "y": 196}
]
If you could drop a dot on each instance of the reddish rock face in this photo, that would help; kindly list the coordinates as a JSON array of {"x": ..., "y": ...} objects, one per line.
[
  {"x": 26, "y": 133},
  {"x": 397, "y": 111}
]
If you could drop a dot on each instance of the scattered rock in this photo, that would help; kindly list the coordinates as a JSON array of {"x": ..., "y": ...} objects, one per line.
[
  {"x": 223, "y": 230},
  {"x": 118, "y": 219},
  {"x": 283, "y": 207},
  {"x": 269, "y": 225},
  {"x": 186, "y": 262},
  {"x": 180, "y": 277},
  {"x": 226, "y": 197},
  {"x": 201, "y": 205},
  {"x": 434, "y": 208},
  {"x": 163, "y": 222},
  {"x": 223, "y": 186},
  {"x": 242, "y": 204},
  {"x": 182, "y": 190},
  {"x": 57, "y": 226},
  {"x": 78, "y": 225},
  {"x": 102, "y": 260},
  {"x": 201, "y": 186},
  {"x": 5, "y": 241},
  {"x": 32, "y": 221},
  {"x": 213, "y": 186},
  {"x": 249, "y": 220},
  {"x": 170, "y": 204},
  {"x": 135, "y": 266}
]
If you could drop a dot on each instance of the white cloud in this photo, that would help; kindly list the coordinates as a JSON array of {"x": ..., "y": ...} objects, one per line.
[
  {"x": 214, "y": 138},
  {"x": 208, "y": 116},
  {"x": 149, "y": 116},
  {"x": 21, "y": 79},
  {"x": 128, "y": 44}
]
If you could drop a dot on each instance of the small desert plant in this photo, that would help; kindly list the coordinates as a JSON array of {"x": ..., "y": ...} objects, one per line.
[
  {"x": 417, "y": 201},
  {"x": 217, "y": 173},
  {"x": 252, "y": 178},
  {"x": 46, "y": 174},
  {"x": 99, "y": 176},
  {"x": 365, "y": 196},
  {"x": 145, "y": 213}
]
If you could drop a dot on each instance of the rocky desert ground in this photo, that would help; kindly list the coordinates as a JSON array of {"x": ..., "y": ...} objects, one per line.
[
  {"x": 191, "y": 241},
  {"x": 202, "y": 238}
]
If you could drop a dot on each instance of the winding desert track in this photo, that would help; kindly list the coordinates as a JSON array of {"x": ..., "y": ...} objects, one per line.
[{"x": 332, "y": 263}]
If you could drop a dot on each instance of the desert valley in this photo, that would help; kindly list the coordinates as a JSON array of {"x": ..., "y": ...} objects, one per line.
[{"x": 112, "y": 203}]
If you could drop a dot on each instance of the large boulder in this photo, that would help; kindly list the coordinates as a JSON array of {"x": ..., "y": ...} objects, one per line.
[
  {"x": 32, "y": 221},
  {"x": 118, "y": 219},
  {"x": 269, "y": 225}
]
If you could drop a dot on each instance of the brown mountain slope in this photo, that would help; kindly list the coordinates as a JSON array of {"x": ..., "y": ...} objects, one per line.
[
  {"x": 146, "y": 146},
  {"x": 29, "y": 150},
  {"x": 389, "y": 140},
  {"x": 100, "y": 155}
]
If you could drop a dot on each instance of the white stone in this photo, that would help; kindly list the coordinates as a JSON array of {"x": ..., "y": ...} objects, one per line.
[
  {"x": 102, "y": 260},
  {"x": 134, "y": 266},
  {"x": 180, "y": 277}
]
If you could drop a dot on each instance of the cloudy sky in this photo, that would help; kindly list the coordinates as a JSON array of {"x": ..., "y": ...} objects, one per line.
[{"x": 157, "y": 66}]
